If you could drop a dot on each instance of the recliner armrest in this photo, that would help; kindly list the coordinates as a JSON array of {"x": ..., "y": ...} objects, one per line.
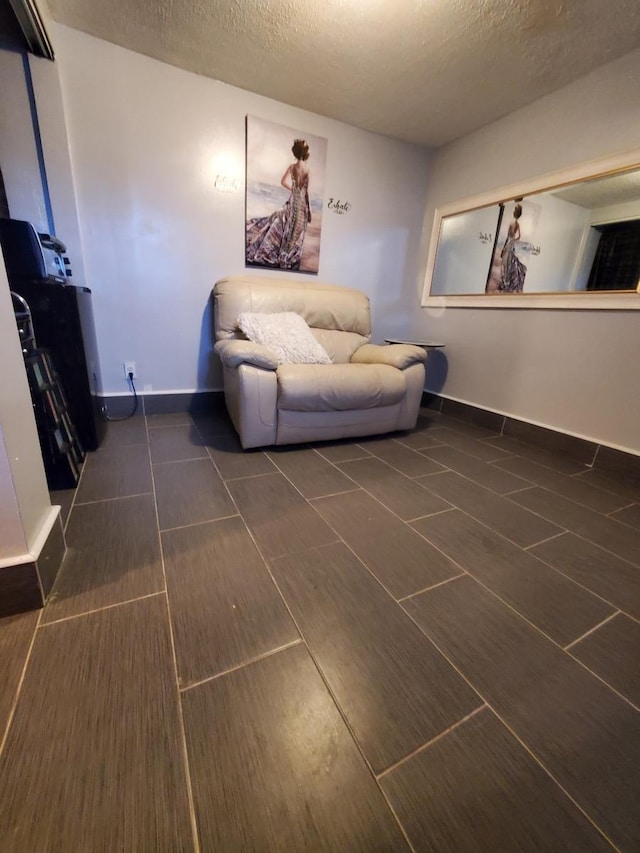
[
  {"x": 396, "y": 355},
  {"x": 234, "y": 352}
]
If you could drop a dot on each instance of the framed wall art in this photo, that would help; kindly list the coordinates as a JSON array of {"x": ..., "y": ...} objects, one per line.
[{"x": 284, "y": 197}]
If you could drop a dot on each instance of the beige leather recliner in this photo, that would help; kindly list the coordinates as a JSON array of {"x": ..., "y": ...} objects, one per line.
[{"x": 367, "y": 389}]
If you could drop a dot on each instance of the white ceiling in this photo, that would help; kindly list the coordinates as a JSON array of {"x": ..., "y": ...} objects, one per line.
[
  {"x": 425, "y": 71},
  {"x": 614, "y": 189}
]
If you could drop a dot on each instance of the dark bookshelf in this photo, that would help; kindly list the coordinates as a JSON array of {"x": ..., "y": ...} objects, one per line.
[{"x": 62, "y": 452}]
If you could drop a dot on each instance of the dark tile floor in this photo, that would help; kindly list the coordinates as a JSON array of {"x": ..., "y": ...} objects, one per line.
[{"x": 424, "y": 641}]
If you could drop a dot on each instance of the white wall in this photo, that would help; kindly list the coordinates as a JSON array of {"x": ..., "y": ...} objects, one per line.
[
  {"x": 577, "y": 371},
  {"x": 55, "y": 146},
  {"x": 12, "y": 539},
  {"x": 147, "y": 141},
  {"x": 25, "y": 509},
  {"x": 18, "y": 156},
  {"x": 22, "y": 479}
]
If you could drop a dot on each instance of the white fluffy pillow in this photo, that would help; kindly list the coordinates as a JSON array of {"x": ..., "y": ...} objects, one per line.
[{"x": 286, "y": 334}]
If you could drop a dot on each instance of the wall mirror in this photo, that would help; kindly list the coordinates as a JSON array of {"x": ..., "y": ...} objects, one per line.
[{"x": 569, "y": 241}]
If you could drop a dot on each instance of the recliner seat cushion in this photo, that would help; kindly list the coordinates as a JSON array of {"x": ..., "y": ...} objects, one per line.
[{"x": 338, "y": 387}]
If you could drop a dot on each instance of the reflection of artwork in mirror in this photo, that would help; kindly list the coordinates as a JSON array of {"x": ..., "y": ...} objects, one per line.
[
  {"x": 576, "y": 238},
  {"x": 514, "y": 245}
]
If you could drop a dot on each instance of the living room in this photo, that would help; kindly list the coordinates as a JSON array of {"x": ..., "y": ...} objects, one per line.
[{"x": 145, "y": 169}]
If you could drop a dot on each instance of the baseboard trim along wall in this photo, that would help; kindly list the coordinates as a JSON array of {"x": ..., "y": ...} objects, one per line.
[
  {"x": 27, "y": 580},
  {"x": 119, "y": 405},
  {"x": 587, "y": 452},
  {"x": 581, "y": 449}
]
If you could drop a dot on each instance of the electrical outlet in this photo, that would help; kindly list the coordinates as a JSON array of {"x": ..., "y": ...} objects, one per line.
[{"x": 130, "y": 367}]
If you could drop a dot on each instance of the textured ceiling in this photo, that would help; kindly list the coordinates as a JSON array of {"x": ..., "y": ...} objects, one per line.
[
  {"x": 425, "y": 71},
  {"x": 614, "y": 189}
]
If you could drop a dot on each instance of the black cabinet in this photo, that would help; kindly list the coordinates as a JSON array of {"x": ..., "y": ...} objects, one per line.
[{"x": 62, "y": 317}]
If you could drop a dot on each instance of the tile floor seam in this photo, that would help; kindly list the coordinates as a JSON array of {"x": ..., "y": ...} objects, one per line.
[
  {"x": 612, "y": 476},
  {"x": 410, "y": 521},
  {"x": 107, "y": 500},
  {"x": 73, "y": 500},
  {"x": 179, "y": 461},
  {"x": 532, "y": 447},
  {"x": 494, "y": 464},
  {"x": 621, "y": 509},
  {"x": 362, "y": 561},
  {"x": 598, "y": 545},
  {"x": 304, "y": 497},
  {"x": 430, "y": 742},
  {"x": 167, "y": 426},
  {"x": 306, "y": 644},
  {"x": 583, "y": 505},
  {"x": 115, "y": 447},
  {"x": 574, "y": 476},
  {"x": 484, "y": 524},
  {"x": 225, "y": 484},
  {"x": 519, "y": 491},
  {"x": 483, "y": 485},
  {"x": 361, "y": 488},
  {"x": 197, "y": 523},
  {"x": 328, "y": 687},
  {"x": 244, "y": 477},
  {"x": 433, "y": 586},
  {"x": 100, "y": 609},
  {"x": 418, "y": 452},
  {"x": 548, "y": 539},
  {"x": 397, "y": 470},
  {"x": 73, "y": 504},
  {"x": 582, "y": 585},
  {"x": 551, "y": 640},
  {"x": 535, "y": 627},
  {"x": 572, "y": 500},
  {"x": 182, "y": 735},
  {"x": 516, "y": 736},
  {"x": 591, "y": 630},
  {"x": 395, "y": 817},
  {"x": 620, "y": 521},
  {"x": 433, "y": 545},
  {"x": 334, "y": 698},
  {"x": 603, "y": 681},
  {"x": 16, "y": 697},
  {"x": 477, "y": 458},
  {"x": 246, "y": 663},
  {"x": 533, "y": 512},
  {"x": 478, "y": 521}
]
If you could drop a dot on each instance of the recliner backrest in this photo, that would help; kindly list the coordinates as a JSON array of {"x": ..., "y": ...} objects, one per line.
[{"x": 340, "y": 317}]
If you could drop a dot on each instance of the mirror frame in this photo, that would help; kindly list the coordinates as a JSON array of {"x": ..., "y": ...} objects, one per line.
[{"x": 617, "y": 300}]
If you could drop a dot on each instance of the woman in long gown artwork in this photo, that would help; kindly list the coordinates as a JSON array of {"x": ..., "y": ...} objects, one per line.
[
  {"x": 513, "y": 271},
  {"x": 277, "y": 240}
]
